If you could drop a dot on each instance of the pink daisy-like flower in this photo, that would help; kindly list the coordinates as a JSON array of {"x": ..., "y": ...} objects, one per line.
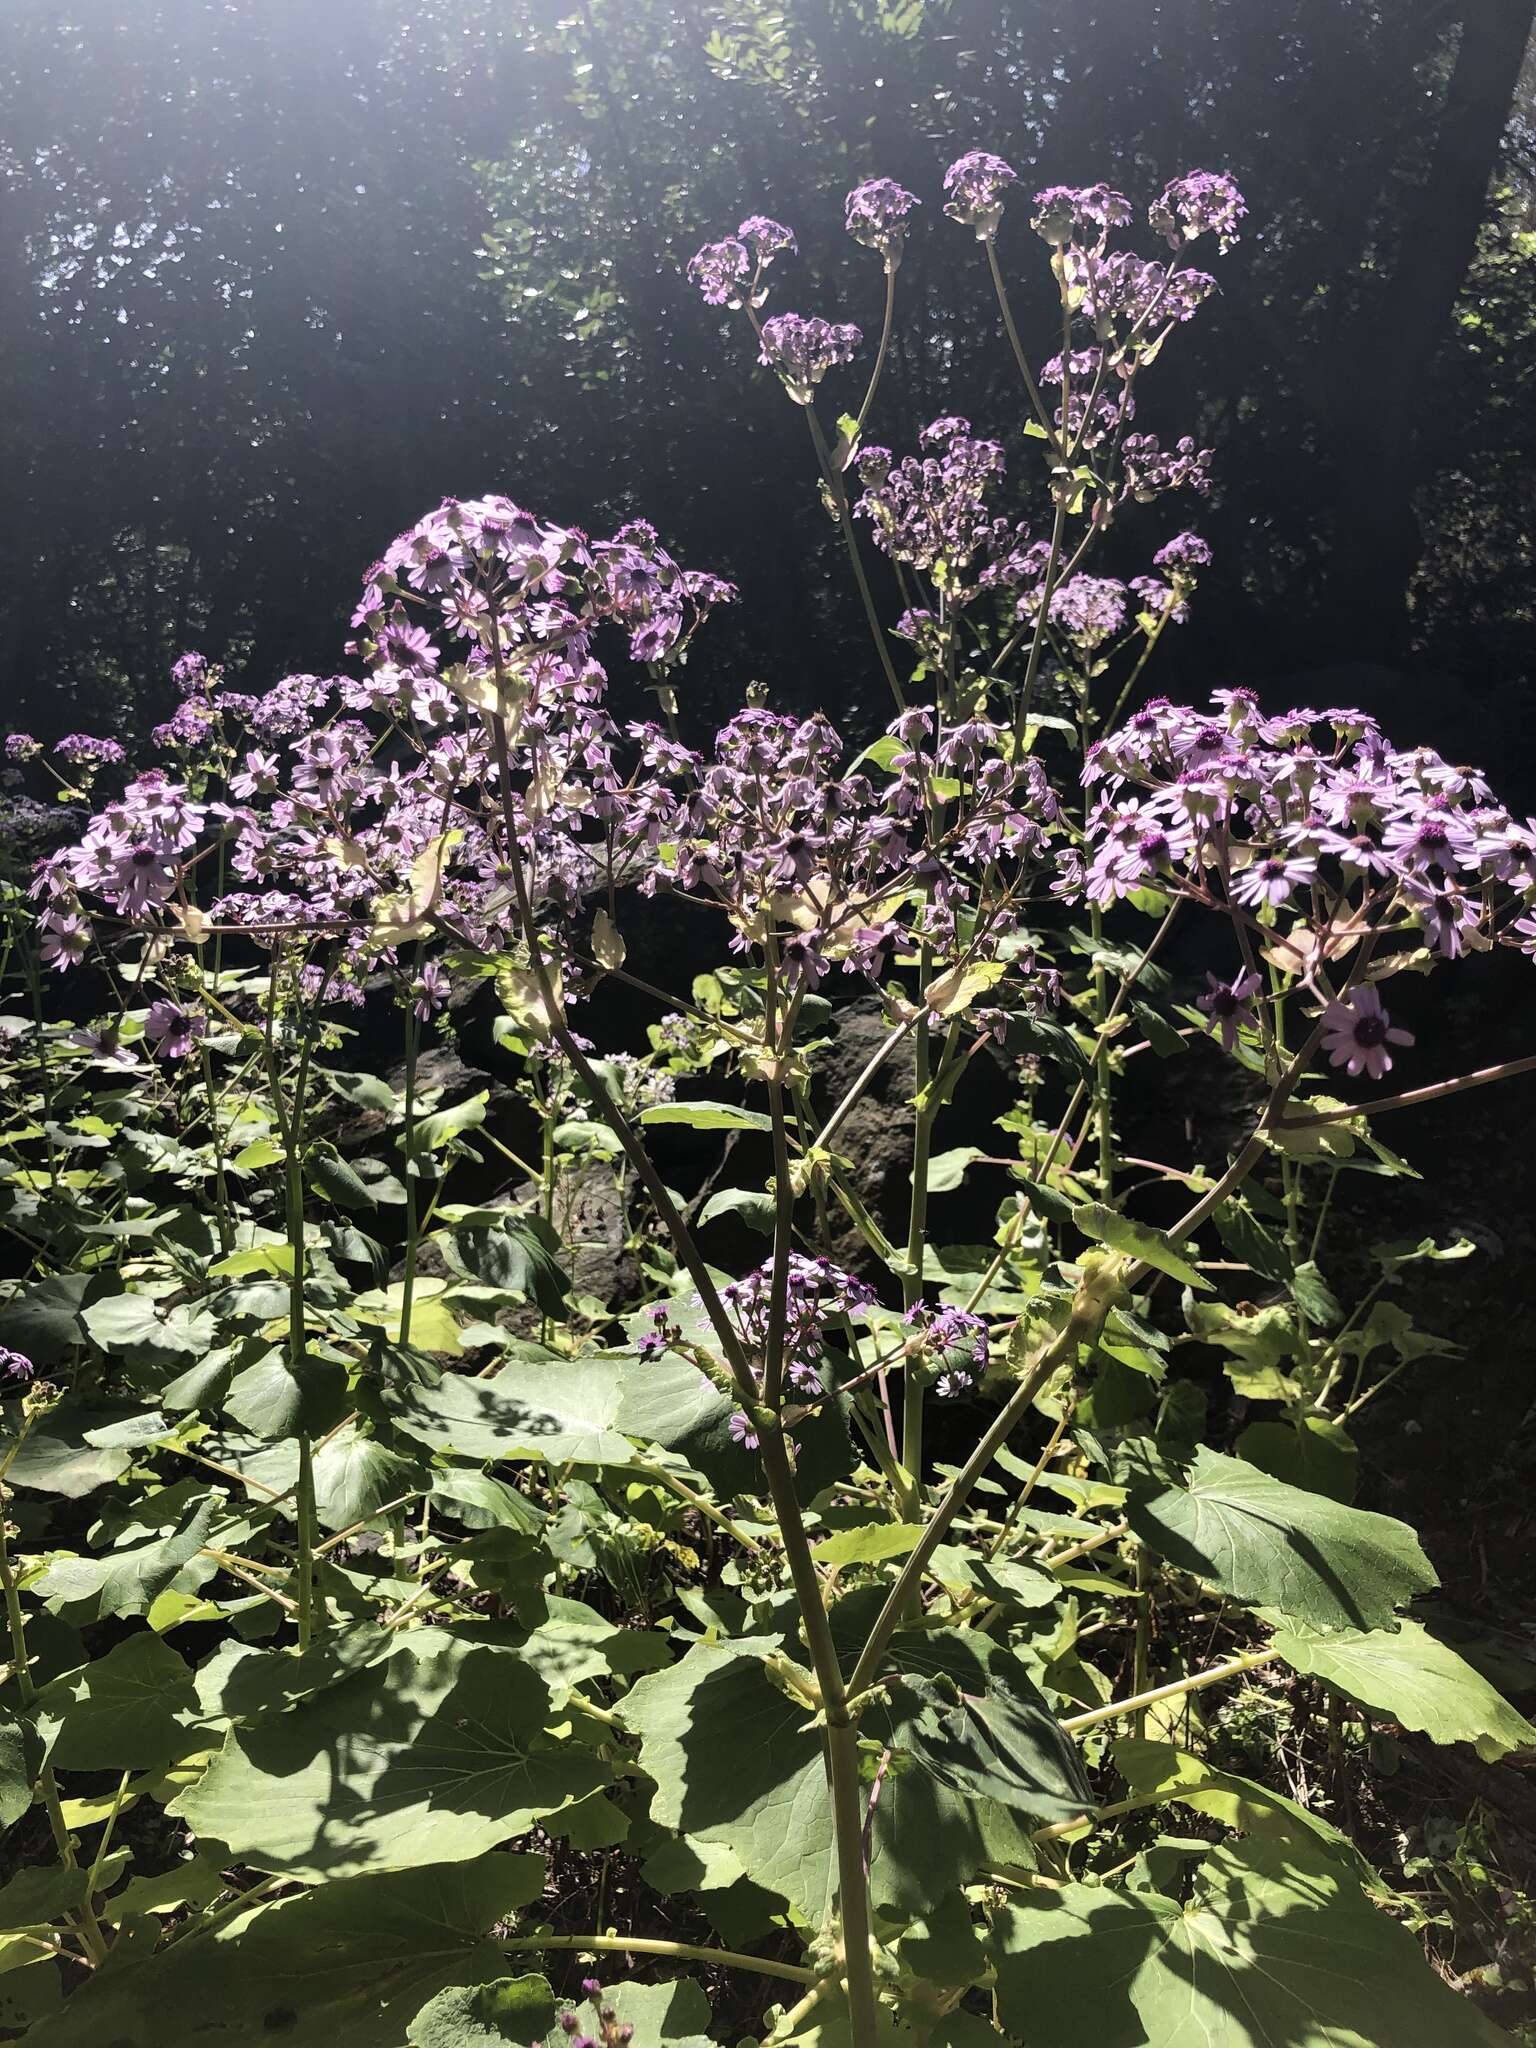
[{"x": 1357, "y": 1034}]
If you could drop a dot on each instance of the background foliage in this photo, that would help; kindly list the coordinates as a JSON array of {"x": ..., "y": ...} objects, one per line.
[{"x": 273, "y": 278}]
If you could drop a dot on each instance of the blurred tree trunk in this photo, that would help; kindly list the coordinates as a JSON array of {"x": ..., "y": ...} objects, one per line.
[{"x": 1387, "y": 358}]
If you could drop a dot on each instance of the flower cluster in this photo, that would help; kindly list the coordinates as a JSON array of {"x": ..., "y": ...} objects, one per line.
[
  {"x": 875, "y": 213},
  {"x": 820, "y": 1294},
  {"x": 611, "y": 2031},
  {"x": 730, "y": 272},
  {"x": 802, "y": 349},
  {"x": 952, "y": 1343},
  {"x": 974, "y": 189},
  {"x": 1313, "y": 815}
]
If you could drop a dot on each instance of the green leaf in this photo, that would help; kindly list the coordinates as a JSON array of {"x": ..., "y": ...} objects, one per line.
[
  {"x": 1311, "y": 1452},
  {"x": 870, "y": 1543},
  {"x": 1417, "y": 1681},
  {"x": 1266, "y": 1544},
  {"x": 21, "y": 1758},
  {"x": 363, "y": 1091},
  {"x": 517, "y": 1252},
  {"x": 342, "y": 1967},
  {"x": 273, "y": 1402},
  {"x": 43, "y": 1322},
  {"x": 519, "y": 2009},
  {"x": 356, "y": 1476},
  {"x": 432, "y": 1133},
  {"x": 736, "y": 1766},
  {"x": 325, "y": 1169},
  {"x": 674, "y": 2014},
  {"x": 946, "y": 1170},
  {"x": 1246, "y": 1238},
  {"x": 140, "y": 1328},
  {"x": 1314, "y": 1297},
  {"x": 126, "y": 1581},
  {"x": 1161, "y": 1770},
  {"x": 560, "y": 1410},
  {"x": 754, "y": 1208},
  {"x": 437, "y": 1755},
  {"x": 127, "y": 1711},
  {"x": 1107, "y": 1226},
  {"x": 707, "y": 1116},
  {"x": 1270, "y": 1953},
  {"x": 50, "y": 1463}
]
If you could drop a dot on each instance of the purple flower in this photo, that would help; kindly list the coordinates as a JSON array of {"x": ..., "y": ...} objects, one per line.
[
  {"x": 1358, "y": 1033},
  {"x": 1183, "y": 555},
  {"x": 953, "y": 1344},
  {"x": 875, "y": 213},
  {"x": 764, "y": 238},
  {"x": 1271, "y": 880},
  {"x": 742, "y": 1430},
  {"x": 662, "y": 1334},
  {"x": 171, "y": 1030},
  {"x": 16, "y": 1369},
  {"x": 188, "y": 671},
  {"x": 80, "y": 747},
  {"x": 974, "y": 186},
  {"x": 20, "y": 746},
  {"x": 1089, "y": 608},
  {"x": 429, "y": 991},
  {"x": 1202, "y": 202},
  {"x": 721, "y": 271},
  {"x": 1069, "y": 213},
  {"x": 802, "y": 349},
  {"x": 1226, "y": 1003}
]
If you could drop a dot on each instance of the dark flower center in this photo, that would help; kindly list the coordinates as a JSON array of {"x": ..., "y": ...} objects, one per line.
[{"x": 1370, "y": 1030}]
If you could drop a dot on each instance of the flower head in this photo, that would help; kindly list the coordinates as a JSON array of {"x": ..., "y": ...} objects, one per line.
[
  {"x": 802, "y": 349},
  {"x": 171, "y": 1030},
  {"x": 16, "y": 1369},
  {"x": 974, "y": 186},
  {"x": 1356, "y": 1034},
  {"x": 1227, "y": 1004},
  {"x": 875, "y": 213},
  {"x": 1202, "y": 202},
  {"x": 1072, "y": 213}
]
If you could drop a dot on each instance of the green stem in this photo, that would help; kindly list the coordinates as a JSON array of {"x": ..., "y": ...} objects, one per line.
[
  {"x": 1176, "y": 1690},
  {"x": 639, "y": 1945},
  {"x": 89, "y": 1927},
  {"x": 220, "y": 1184},
  {"x": 412, "y": 1215},
  {"x": 839, "y": 497}
]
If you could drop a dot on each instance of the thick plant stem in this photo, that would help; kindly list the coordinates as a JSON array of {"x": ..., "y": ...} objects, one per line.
[
  {"x": 852, "y": 1879},
  {"x": 304, "y": 1513},
  {"x": 1146, "y": 1581},
  {"x": 220, "y": 1184},
  {"x": 1101, "y": 1075},
  {"x": 832, "y": 477}
]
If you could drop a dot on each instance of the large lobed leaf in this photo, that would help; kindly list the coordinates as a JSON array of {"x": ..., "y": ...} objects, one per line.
[
  {"x": 346, "y": 1966},
  {"x": 1275, "y": 1950},
  {"x": 435, "y": 1755},
  {"x": 1416, "y": 1679},
  {"x": 1265, "y": 1544}
]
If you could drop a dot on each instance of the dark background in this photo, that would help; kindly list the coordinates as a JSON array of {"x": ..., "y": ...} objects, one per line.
[{"x": 275, "y": 278}]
